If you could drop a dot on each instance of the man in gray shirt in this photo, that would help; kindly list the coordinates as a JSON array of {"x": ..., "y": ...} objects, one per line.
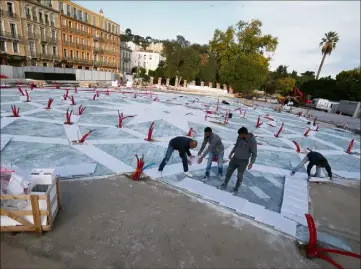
[
  {"x": 215, "y": 151},
  {"x": 246, "y": 147}
]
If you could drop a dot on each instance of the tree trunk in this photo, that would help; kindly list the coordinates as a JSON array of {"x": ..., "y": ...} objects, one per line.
[{"x": 319, "y": 69}]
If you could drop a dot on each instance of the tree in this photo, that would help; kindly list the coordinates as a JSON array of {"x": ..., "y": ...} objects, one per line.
[
  {"x": 231, "y": 49},
  {"x": 328, "y": 44},
  {"x": 285, "y": 85},
  {"x": 208, "y": 70},
  {"x": 349, "y": 84}
]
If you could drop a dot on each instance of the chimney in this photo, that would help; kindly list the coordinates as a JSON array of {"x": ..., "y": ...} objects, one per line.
[{"x": 101, "y": 12}]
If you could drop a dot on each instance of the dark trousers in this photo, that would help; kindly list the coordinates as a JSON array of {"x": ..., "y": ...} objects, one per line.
[
  {"x": 234, "y": 164},
  {"x": 168, "y": 154}
]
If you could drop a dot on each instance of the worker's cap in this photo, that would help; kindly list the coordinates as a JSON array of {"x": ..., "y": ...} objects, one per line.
[{"x": 242, "y": 130}]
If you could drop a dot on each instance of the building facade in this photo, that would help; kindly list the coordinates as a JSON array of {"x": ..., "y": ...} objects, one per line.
[
  {"x": 12, "y": 50},
  {"x": 146, "y": 59},
  {"x": 58, "y": 33},
  {"x": 125, "y": 58}
]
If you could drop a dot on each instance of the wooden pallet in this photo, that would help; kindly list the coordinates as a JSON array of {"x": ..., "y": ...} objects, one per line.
[{"x": 35, "y": 212}]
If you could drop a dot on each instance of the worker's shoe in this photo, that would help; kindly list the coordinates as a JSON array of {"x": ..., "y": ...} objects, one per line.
[
  {"x": 221, "y": 177},
  {"x": 160, "y": 173},
  {"x": 187, "y": 174},
  {"x": 235, "y": 192},
  {"x": 205, "y": 178},
  {"x": 222, "y": 186}
]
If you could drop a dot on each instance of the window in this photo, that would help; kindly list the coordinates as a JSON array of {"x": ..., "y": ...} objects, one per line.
[
  {"x": 94, "y": 21},
  {"x": 54, "y": 51},
  {"x": 27, "y": 12},
  {"x": 113, "y": 28},
  {"x": 63, "y": 22},
  {"x": 76, "y": 40},
  {"x": 41, "y": 17},
  {"x": 15, "y": 47},
  {"x": 69, "y": 24},
  {"x": 82, "y": 41},
  {"x": 86, "y": 17},
  {"x": 74, "y": 12},
  {"x": 10, "y": 8},
  {"x": 32, "y": 48},
  {"x": 60, "y": 6},
  {"x": 87, "y": 29},
  {"x": 64, "y": 37},
  {"x": 53, "y": 35},
  {"x": 71, "y": 54},
  {"x": 82, "y": 55},
  {"x": 150, "y": 57},
  {"x": 82, "y": 28},
  {"x": 68, "y": 10},
  {"x": 2, "y": 45},
  {"x": 76, "y": 26},
  {"x": 87, "y": 56},
  {"x": 46, "y": 19},
  {"x": 12, "y": 29},
  {"x": 70, "y": 38},
  {"x": 77, "y": 54},
  {"x": 80, "y": 15},
  {"x": 45, "y": 64},
  {"x": 43, "y": 49},
  {"x": 65, "y": 53}
]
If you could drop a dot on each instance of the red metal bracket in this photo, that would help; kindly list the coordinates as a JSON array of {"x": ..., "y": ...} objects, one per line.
[
  {"x": 50, "y": 101},
  {"x": 15, "y": 111},
  {"x": 21, "y": 91},
  {"x": 138, "y": 171},
  {"x": 150, "y": 132},
  {"x": 314, "y": 252}
]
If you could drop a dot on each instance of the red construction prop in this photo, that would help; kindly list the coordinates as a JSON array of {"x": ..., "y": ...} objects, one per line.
[
  {"x": 76, "y": 89},
  {"x": 298, "y": 149},
  {"x": 156, "y": 99},
  {"x": 50, "y": 101},
  {"x": 82, "y": 140},
  {"x": 307, "y": 132},
  {"x": 299, "y": 113},
  {"x": 57, "y": 86},
  {"x": 121, "y": 118},
  {"x": 317, "y": 128},
  {"x": 217, "y": 104},
  {"x": 190, "y": 132},
  {"x": 350, "y": 146},
  {"x": 226, "y": 117},
  {"x": 150, "y": 132},
  {"x": 21, "y": 91},
  {"x": 66, "y": 95},
  {"x": 107, "y": 92},
  {"x": 138, "y": 170},
  {"x": 244, "y": 114},
  {"x": 68, "y": 116},
  {"x": 268, "y": 118},
  {"x": 315, "y": 252},
  {"x": 31, "y": 86},
  {"x": 27, "y": 96},
  {"x": 98, "y": 93},
  {"x": 258, "y": 124},
  {"x": 81, "y": 109},
  {"x": 279, "y": 131},
  {"x": 314, "y": 121},
  {"x": 16, "y": 112},
  {"x": 95, "y": 95},
  {"x": 72, "y": 100}
]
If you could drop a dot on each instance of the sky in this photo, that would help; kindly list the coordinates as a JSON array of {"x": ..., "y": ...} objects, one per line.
[{"x": 299, "y": 26}]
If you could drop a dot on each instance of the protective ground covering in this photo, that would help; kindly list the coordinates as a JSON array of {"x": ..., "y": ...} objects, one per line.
[{"x": 40, "y": 139}]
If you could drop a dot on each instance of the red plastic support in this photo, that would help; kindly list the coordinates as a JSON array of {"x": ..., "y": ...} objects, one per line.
[
  {"x": 27, "y": 96},
  {"x": 150, "y": 132},
  {"x": 138, "y": 170},
  {"x": 307, "y": 132},
  {"x": 50, "y": 101},
  {"x": 258, "y": 124},
  {"x": 98, "y": 93},
  {"x": 107, "y": 92},
  {"x": 57, "y": 86},
  {"x": 31, "y": 86},
  {"x": 76, "y": 89},
  {"x": 217, "y": 104},
  {"x": 268, "y": 118},
  {"x": 314, "y": 252},
  {"x": 21, "y": 91},
  {"x": 299, "y": 113},
  {"x": 314, "y": 121},
  {"x": 190, "y": 132},
  {"x": 121, "y": 118},
  {"x": 16, "y": 112},
  {"x": 279, "y": 131},
  {"x": 68, "y": 116},
  {"x": 95, "y": 95},
  {"x": 317, "y": 128},
  {"x": 226, "y": 116},
  {"x": 81, "y": 110},
  {"x": 156, "y": 99},
  {"x": 82, "y": 140},
  {"x": 298, "y": 149},
  {"x": 72, "y": 100},
  {"x": 350, "y": 146},
  {"x": 66, "y": 95},
  {"x": 244, "y": 114}
]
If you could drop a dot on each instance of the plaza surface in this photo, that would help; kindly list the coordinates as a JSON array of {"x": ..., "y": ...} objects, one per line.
[{"x": 40, "y": 139}]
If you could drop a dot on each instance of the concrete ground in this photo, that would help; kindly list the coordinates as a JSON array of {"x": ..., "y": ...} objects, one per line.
[
  {"x": 336, "y": 211},
  {"x": 114, "y": 223}
]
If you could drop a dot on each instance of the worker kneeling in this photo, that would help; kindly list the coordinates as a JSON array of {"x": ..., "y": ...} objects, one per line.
[
  {"x": 314, "y": 158},
  {"x": 183, "y": 144}
]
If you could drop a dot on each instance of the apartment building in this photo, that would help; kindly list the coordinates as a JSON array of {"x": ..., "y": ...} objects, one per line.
[
  {"x": 57, "y": 33},
  {"x": 147, "y": 59},
  {"x": 11, "y": 34},
  {"x": 40, "y": 25},
  {"x": 89, "y": 40},
  {"x": 125, "y": 58}
]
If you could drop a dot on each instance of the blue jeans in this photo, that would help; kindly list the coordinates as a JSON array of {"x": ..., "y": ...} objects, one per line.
[
  {"x": 220, "y": 162},
  {"x": 168, "y": 154}
]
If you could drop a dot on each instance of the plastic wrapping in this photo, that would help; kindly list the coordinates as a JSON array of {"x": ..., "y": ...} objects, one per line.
[{"x": 14, "y": 181}]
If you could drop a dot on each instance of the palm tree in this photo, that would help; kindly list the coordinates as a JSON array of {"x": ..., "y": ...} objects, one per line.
[{"x": 328, "y": 44}]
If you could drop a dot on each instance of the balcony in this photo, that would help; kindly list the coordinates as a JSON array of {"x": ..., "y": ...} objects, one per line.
[
  {"x": 32, "y": 54},
  {"x": 52, "y": 23},
  {"x": 35, "y": 19},
  {"x": 28, "y": 16},
  {"x": 9, "y": 35},
  {"x": 98, "y": 50},
  {"x": 126, "y": 59},
  {"x": 69, "y": 44},
  {"x": 31, "y": 35},
  {"x": 41, "y": 20},
  {"x": 47, "y": 22}
]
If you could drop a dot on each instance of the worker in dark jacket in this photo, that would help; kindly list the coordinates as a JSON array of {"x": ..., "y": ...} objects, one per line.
[
  {"x": 314, "y": 158},
  {"x": 215, "y": 149},
  {"x": 183, "y": 144},
  {"x": 245, "y": 148}
]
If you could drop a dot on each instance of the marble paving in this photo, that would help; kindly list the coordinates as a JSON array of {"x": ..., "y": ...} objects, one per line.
[{"x": 40, "y": 139}]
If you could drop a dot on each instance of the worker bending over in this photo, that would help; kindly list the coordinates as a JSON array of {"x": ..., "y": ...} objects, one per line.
[
  {"x": 314, "y": 158},
  {"x": 183, "y": 144},
  {"x": 246, "y": 147},
  {"x": 215, "y": 150}
]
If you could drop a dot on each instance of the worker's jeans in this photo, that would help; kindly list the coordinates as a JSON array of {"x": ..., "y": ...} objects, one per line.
[
  {"x": 241, "y": 166},
  {"x": 211, "y": 155},
  {"x": 303, "y": 162},
  {"x": 168, "y": 154}
]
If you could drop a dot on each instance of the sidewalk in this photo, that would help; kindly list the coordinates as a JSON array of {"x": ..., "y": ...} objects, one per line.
[{"x": 115, "y": 223}]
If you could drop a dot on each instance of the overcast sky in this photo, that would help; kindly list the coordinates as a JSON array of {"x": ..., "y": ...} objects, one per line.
[{"x": 299, "y": 26}]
